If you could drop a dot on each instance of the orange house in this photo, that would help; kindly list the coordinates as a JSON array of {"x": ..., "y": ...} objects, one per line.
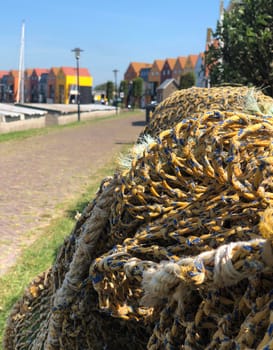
[
  {"x": 155, "y": 75},
  {"x": 12, "y": 85},
  {"x": 191, "y": 63},
  {"x": 167, "y": 69},
  {"x": 155, "y": 72},
  {"x": 179, "y": 68},
  {"x": 133, "y": 71}
]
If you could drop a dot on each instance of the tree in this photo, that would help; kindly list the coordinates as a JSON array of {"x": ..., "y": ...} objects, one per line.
[
  {"x": 137, "y": 90},
  {"x": 243, "y": 48},
  {"x": 100, "y": 87},
  {"x": 187, "y": 80},
  {"x": 109, "y": 90},
  {"x": 124, "y": 89}
]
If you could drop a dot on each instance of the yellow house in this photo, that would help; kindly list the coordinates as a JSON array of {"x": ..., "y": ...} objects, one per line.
[{"x": 66, "y": 85}]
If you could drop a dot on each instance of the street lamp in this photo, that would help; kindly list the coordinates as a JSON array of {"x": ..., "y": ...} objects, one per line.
[
  {"x": 116, "y": 88},
  {"x": 77, "y": 52}
]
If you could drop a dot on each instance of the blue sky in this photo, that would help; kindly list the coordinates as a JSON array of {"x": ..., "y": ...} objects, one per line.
[{"x": 112, "y": 33}]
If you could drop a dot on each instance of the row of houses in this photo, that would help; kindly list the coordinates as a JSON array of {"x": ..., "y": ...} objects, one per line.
[
  {"x": 59, "y": 84},
  {"x": 166, "y": 72},
  {"x": 54, "y": 85}
]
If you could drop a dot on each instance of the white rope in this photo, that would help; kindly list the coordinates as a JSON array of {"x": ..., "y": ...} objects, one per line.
[
  {"x": 224, "y": 272},
  {"x": 160, "y": 279}
]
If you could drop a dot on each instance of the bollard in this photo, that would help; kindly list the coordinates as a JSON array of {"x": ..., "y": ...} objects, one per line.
[
  {"x": 149, "y": 108},
  {"x": 147, "y": 115}
]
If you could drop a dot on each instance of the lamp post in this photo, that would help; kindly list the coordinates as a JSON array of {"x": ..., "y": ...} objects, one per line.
[
  {"x": 77, "y": 52},
  {"x": 130, "y": 94},
  {"x": 116, "y": 88}
]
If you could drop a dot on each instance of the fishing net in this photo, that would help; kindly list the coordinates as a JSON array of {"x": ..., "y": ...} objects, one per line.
[{"x": 175, "y": 250}]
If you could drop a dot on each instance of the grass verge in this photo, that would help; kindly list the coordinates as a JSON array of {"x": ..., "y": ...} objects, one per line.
[{"x": 40, "y": 255}]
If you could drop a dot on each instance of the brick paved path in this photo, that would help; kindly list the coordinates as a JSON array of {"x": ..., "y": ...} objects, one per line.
[{"x": 39, "y": 172}]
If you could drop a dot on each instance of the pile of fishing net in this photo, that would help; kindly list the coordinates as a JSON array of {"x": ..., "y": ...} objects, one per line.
[{"x": 175, "y": 250}]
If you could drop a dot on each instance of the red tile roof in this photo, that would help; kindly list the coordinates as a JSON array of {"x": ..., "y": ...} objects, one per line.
[
  {"x": 182, "y": 61},
  {"x": 3, "y": 72},
  {"x": 192, "y": 59},
  {"x": 159, "y": 63},
  {"x": 28, "y": 71},
  {"x": 54, "y": 69},
  {"x": 171, "y": 62},
  {"x": 40, "y": 71},
  {"x": 137, "y": 66},
  {"x": 83, "y": 72},
  {"x": 14, "y": 72}
]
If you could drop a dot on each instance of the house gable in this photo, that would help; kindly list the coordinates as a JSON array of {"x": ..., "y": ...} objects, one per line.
[
  {"x": 190, "y": 63},
  {"x": 155, "y": 72},
  {"x": 51, "y": 84},
  {"x": 166, "y": 89},
  {"x": 179, "y": 67},
  {"x": 12, "y": 82},
  {"x": 40, "y": 71},
  {"x": 3, "y": 73},
  {"x": 133, "y": 70},
  {"x": 167, "y": 70}
]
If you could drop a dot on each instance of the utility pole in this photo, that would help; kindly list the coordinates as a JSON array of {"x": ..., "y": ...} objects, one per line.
[
  {"x": 77, "y": 51},
  {"x": 116, "y": 89},
  {"x": 21, "y": 75},
  {"x": 221, "y": 11}
]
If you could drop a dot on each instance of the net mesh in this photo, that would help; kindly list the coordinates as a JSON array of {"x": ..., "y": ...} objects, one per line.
[{"x": 175, "y": 250}]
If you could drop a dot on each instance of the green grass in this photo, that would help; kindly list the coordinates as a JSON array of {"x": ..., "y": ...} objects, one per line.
[
  {"x": 41, "y": 254},
  {"x": 20, "y": 135}
]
